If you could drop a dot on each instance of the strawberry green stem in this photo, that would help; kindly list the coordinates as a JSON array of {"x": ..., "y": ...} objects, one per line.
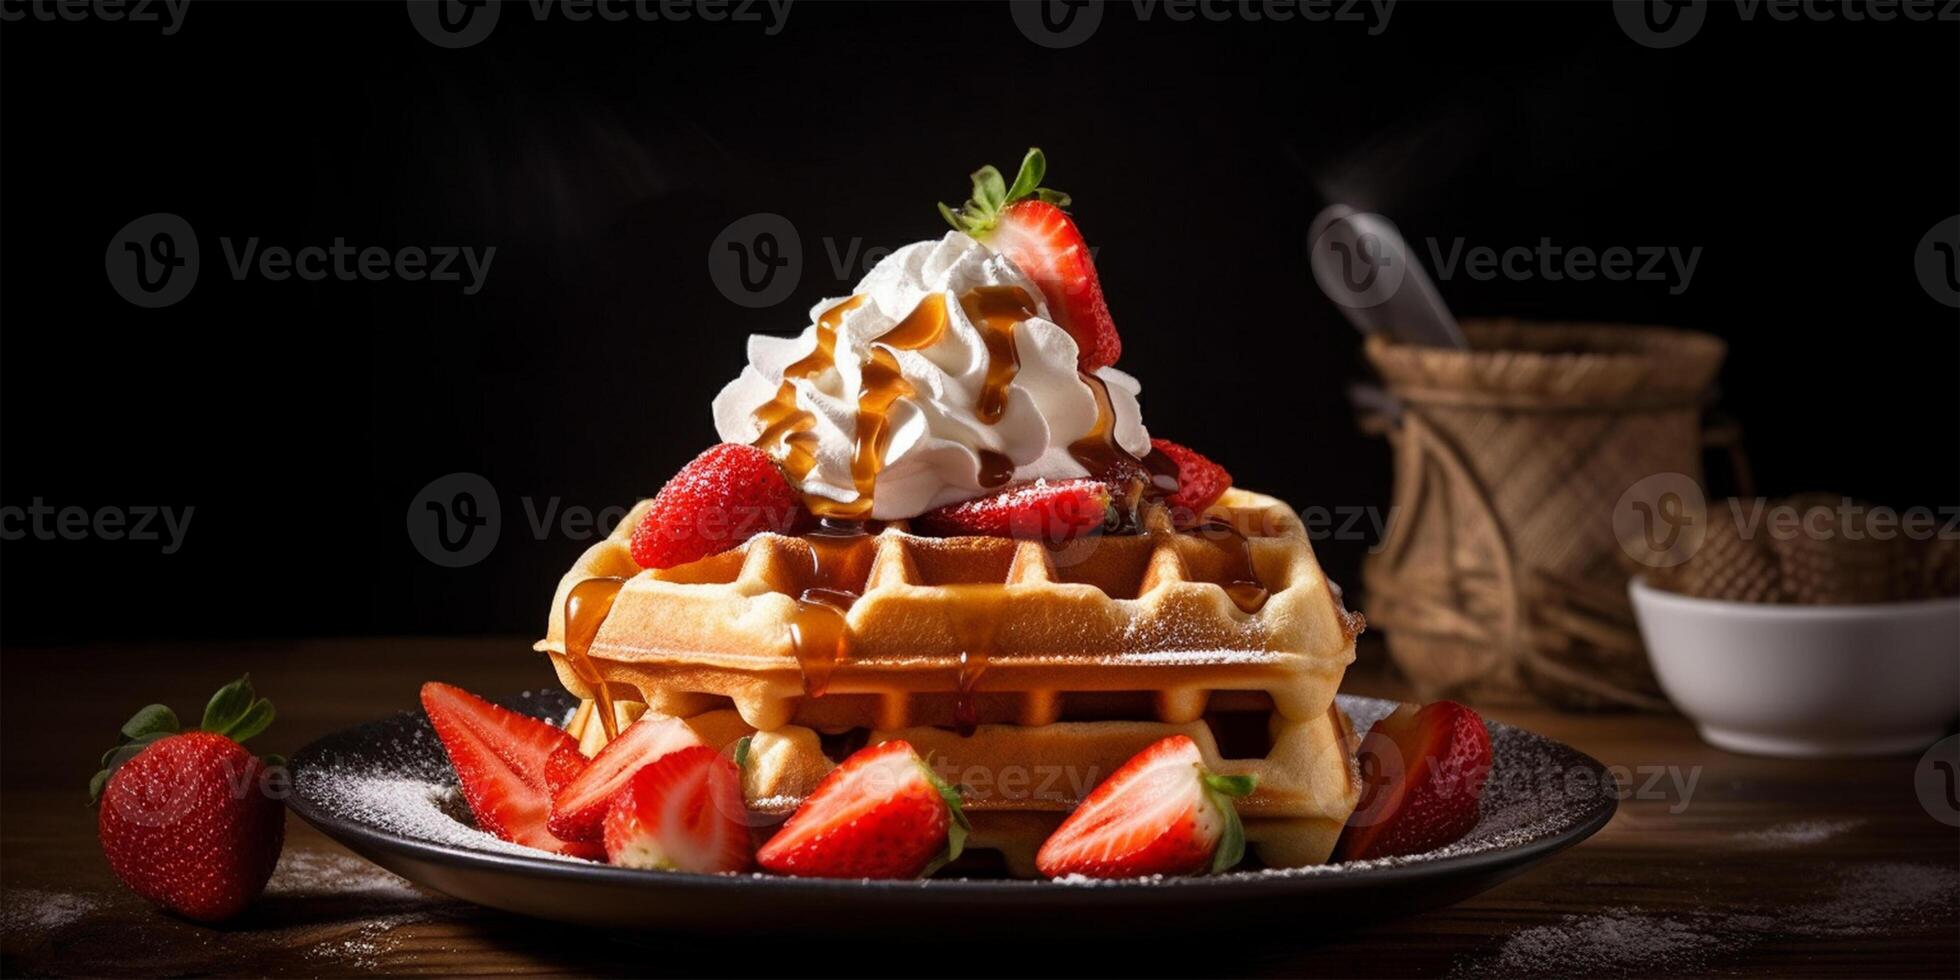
[{"x": 992, "y": 194}]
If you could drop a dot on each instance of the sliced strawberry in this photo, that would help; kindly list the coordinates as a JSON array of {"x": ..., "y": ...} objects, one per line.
[
  {"x": 720, "y": 499},
  {"x": 578, "y": 811},
  {"x": 681, "y": 812},
  {"x": 503, "y": 760},
  {"x": 882, "y": 814},
  {"x": 1160, "y": 813},
  {"x": 1041, "y": 510},
  {"x": 1422, "y": 773},
  {"x": 1200, "y": 482},
  {"x": 563, "y": 766},
  {"x": 1025, "y": 222}
]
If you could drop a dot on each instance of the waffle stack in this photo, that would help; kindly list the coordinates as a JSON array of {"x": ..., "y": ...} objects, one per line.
[{"x": 1027, "y": 671}]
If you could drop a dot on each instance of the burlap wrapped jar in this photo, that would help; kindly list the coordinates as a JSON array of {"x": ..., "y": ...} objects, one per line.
[{"x": 1500, "y": 579}]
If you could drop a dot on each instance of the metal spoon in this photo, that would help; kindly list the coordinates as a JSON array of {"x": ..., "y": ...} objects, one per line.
[{"x": 1362, "y": 263}]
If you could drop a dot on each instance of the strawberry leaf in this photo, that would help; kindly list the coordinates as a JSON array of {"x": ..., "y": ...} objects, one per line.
[
  {"x": 150, "y": 719},
  {"x": 95, "y": 786},
  {"x": 1034, "y": 166},
  {"x": 229, "y": 706},
  {"x": 1231, "y": 843},
  {"x": 981, "y": 212},
  {"x": 957, "y": 831},
  {"x": 989, "y": 191},
  {"x": 1231, "y": 786},
  {"x": 1222, "y": 790},
  {"x": 254, "y": 721}
]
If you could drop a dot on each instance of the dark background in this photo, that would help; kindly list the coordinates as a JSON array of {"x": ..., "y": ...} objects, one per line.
[{"x": 602, "y": 159}]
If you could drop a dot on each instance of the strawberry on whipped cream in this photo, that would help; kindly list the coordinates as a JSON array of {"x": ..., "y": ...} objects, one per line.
[{"x": 947, "y": 349}]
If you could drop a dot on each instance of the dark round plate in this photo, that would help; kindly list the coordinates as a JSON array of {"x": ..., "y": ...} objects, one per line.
[{"x": 385, "y": 790}]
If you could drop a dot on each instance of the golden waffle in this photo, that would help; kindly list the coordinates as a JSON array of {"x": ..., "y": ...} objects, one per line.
[
  {"x": 1026, "y": 671},
  {"x": 992, "y": 629},
  {"x": 1019, "y": 782}
]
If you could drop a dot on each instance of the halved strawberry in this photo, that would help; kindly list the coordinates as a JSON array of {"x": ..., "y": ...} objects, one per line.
[
  {"x": 562, "y": 766},
  {"x": 1025, "y": 222},
  {"x": 502, "y": 759},
  {"x": 578, "y": 811},
  {"x": 681, "y": 812},
  {"x": 1200, "y": 482},
  {"x": 720, "y": 499},
  {"x": 1043, "y": 510},
  {"x": 882, "y": 814},
  {"x": 1161, "y": 813},
  {"x": 1422, "y": 772}
]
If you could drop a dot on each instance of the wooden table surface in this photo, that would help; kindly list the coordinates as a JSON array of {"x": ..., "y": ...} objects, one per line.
[{"x": 1716, "y": 864}]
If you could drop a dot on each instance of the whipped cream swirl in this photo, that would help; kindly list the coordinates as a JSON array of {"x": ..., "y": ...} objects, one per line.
[{"x": 941, "y": 450}]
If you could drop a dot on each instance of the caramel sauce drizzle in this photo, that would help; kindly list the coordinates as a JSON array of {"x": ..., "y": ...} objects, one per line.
[
  {"x": 1148, "y": 481},
  {"x": 786, "y": 429},
  {"x": 966, "y": 715},
  {"x": 818, "y": 631},
  {"x": 995, "y": 469},
  {"x": 1241, "y": 580},
  {"x": 995, "y": 310},
  {"x": 586, "y": 609}
]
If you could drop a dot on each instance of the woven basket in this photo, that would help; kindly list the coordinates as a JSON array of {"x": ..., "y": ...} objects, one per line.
[{"x": 1500, "y": 579}]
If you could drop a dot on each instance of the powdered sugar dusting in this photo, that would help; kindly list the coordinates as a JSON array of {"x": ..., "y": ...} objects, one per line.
[
  {"x": 1618, "y": 942},
  {"x": 303, "y": 873},
  {"x": 370, "y": 946},
  {"x": 31, "y": 909},
  {"x": 1801, "y": 833},
  {"x": 1200, "y": 658},
  {"x": 422, "y": 809},
  {"x": 1861, "y": 900}
]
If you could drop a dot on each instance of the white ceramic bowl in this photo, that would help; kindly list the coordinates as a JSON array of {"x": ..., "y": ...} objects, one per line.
[{"x": 1806, "y": 680}]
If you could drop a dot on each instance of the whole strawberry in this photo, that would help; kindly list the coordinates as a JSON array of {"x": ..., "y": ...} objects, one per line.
[
  {"x": 720, "y": 499},
  {"x": 187, "y": 820}
]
